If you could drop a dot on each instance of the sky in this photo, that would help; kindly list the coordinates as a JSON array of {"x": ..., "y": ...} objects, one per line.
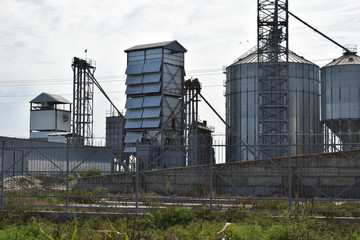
[{"x": 39, "y": 38}]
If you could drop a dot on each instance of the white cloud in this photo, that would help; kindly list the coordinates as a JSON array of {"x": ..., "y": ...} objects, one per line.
[{"x": 38, "y": 39}]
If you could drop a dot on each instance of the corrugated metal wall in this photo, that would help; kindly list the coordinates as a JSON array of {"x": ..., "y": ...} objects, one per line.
[{"x": 242, "y": 109}]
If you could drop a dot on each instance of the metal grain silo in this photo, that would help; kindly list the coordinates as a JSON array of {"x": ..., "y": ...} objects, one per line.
[
  {"x": 242, "y": 112},
  {"x": 340, "y": 98}
]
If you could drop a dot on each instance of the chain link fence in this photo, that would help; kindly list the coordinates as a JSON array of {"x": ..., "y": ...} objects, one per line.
[{"x": 64, "y": 178}]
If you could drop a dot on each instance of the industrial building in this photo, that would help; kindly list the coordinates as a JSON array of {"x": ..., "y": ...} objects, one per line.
[
  {"x": 154, "y": 105},
  {"x": 50, "y": 118},
  {"x": 83, "y": 101},
  {"x": 27, "y": 156},
  {"x": 200, "y": 144},
  {"x": 340, "y": 100},
  {"x": 277, "y": 104},
  {"x": 115, "y": 134},
  {"x": 292, "y": 129},
  {"x": 51, "y": 148},
  {"x": 273, "y": 96},
  {"x": 242, "y": 107}
]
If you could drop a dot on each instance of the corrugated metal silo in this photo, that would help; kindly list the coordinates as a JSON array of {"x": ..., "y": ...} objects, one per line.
[
  {"x": 340, "y": 98},
  {"x": 242, "y": 107}
]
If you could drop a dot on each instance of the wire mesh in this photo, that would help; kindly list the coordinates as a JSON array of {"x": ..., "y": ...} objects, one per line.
[{"x": 60, "y": 177}]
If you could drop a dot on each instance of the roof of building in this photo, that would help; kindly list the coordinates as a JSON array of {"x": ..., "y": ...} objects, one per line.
[
  {"x": 66, "y": 134},
  {"x": 204, "y": 127},
  {"x": 172, "y": 45},
  {"x": 346, "y": 59},
  {"x": 50, "y": 98},
  {"x": 251, "y": 57}
]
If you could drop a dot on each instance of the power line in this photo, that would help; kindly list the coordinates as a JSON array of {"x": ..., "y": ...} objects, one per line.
[
  {"x": 70, "y": 94},
  {"x": 119, "y": 78},
  {"x": 109, "y": 78}
]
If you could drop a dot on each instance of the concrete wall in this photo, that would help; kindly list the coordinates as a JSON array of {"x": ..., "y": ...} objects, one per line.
[{"x": 331, "y": 175}]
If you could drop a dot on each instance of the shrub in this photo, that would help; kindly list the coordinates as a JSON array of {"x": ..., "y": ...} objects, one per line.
[
  {"x": 30, "y": 231},
  {"x": 204, "y": 229},
  {"x": 91, "y": 172},
  {"x": 8, "y": 233},
  {"x": 87, "y": 197},
  {"x": 174, "y": 232},
  {"x": 248, "y": 232},
  {"x": 172, "y": 216},
  {"x": 280, "y": 232},
  {"x": 71, "y": 178},
  {"x": 82, "y": 196},
  {"x": 101, "y": 191}
]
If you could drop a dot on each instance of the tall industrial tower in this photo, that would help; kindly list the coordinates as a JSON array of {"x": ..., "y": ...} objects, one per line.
[
  {"x": 83, "y": 101},
  {"x": 154, "y": 106},
  {"x": 273, "y": 77}
]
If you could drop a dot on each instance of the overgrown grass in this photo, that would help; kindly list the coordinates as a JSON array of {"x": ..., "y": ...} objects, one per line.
[
  {"x": 176, "y": 223},
  {"x": 90, "y": 172}
]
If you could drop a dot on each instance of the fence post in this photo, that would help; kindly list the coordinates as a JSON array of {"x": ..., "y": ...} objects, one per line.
[
  {"x": 137, "y": 166},
  {"x": 211, "y": 183},
  {"x": 2, "y": 175},
  {"x": 67, "y": 177},
  {"x": 136, "y": 186},
  {"x": 289, "y": 174}
]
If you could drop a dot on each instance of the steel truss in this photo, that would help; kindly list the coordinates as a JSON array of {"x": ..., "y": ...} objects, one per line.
[
  {"x": 83, "y": 100},
  {"x": 192, "y": 88},
  {"x": 273, "y": 77}
]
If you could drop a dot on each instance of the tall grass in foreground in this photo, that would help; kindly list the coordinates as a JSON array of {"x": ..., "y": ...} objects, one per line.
[{"x": 177, "y": 223}]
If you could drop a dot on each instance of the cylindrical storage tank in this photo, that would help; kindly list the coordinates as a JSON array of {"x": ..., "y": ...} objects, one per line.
[
  {"x": 242, "y": 110},
  {"x": 340, "y": 98}
]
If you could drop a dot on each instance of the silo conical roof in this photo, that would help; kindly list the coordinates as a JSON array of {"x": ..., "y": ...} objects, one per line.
[
  {"x": 345, "y": 59},
  {"x": 251, "y": 57}
]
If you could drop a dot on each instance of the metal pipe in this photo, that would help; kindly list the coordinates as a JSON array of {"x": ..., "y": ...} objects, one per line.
[
  {"x": 217, "y": 114},
  {"x": 253, "y": 151},
  {"x": 328, "y": 38},
  {"x": 90, "y": 75}
]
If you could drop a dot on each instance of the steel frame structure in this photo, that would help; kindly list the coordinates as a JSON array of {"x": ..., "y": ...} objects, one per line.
[
  {"x": 273, "y": 61},
  {"x": 83, "y": 99},
  {"x": 191, "y": 103}
]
